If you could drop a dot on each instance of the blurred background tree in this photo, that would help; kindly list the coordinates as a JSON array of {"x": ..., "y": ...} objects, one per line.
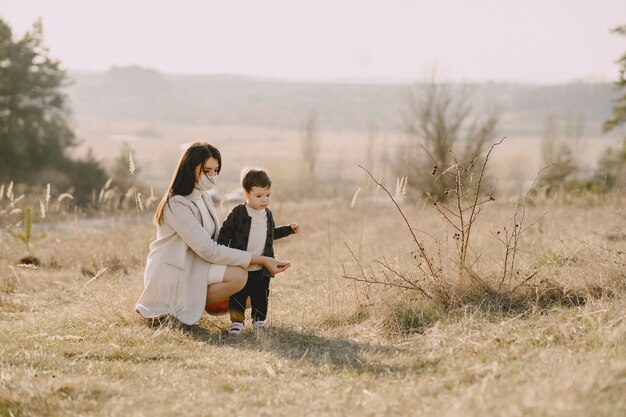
[
  {"x": 619, "y": 110},
  {"x": 612, "y": 166},
  {"x": 557, "y": 153},
  {"x": 35, "y": 132},
  {"x": 440, "y": 123},
  {"x": 311, "y": 144}
]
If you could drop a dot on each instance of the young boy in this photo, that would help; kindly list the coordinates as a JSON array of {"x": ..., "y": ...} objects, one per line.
[{"x": 251, "y": 227}]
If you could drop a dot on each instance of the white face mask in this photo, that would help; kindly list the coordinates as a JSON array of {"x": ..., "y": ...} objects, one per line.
[{"x": 206, "y": 182}]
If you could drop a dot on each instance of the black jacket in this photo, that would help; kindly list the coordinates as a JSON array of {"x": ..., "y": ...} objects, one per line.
[{"x": 236, "y": 230}]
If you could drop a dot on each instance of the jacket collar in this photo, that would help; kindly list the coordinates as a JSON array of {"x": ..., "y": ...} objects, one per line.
[{"x": 207, "y": 200}]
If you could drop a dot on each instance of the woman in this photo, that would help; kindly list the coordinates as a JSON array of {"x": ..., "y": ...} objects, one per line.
[{"x": 186, "y": 269}]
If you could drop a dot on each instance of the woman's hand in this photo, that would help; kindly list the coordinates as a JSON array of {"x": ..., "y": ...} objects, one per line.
[{"x": 274, "y": 266}]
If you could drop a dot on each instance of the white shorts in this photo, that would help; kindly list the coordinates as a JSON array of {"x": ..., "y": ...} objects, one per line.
[{"x": 216, "y": 273}]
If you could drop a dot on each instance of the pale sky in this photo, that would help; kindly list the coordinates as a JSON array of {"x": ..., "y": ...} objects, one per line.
[{"x": 537, "y": 41}]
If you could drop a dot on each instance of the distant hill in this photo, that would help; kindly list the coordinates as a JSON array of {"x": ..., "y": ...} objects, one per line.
[{"x": 147, "y": 95}]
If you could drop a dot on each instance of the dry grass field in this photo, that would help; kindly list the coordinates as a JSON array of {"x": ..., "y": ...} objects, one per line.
[{"x": 71, "y": 344}]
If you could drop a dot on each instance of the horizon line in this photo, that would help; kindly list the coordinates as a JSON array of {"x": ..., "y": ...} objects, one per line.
[{"x": 590, "y": 79}]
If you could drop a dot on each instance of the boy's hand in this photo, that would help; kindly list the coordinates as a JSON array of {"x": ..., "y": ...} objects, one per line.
[{"x": 295, "y": 227}]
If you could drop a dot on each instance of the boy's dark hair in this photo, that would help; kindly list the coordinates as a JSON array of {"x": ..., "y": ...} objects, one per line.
[{"x": 254, "y": 177}]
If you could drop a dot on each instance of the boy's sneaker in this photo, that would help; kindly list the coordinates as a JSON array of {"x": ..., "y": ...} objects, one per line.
[
  {"x": 259, "y": 325},
  {"x": 236, "y": 328}
]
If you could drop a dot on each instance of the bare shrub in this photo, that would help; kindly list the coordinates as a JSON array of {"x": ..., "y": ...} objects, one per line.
[
  {"x": 439, "y": 126},
  {"x": 452, "y": 285}
]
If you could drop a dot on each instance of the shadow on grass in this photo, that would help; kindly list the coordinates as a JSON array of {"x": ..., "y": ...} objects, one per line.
[{"x": 339, "y": 354}]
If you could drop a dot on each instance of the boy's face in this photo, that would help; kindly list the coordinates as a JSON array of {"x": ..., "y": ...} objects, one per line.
[{"x": 258, "y": 197}]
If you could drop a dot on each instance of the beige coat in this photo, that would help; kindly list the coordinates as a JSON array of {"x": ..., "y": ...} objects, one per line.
[{"x": 177, "y": 268}]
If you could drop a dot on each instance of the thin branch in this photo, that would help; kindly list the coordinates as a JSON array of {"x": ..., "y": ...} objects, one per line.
[
  {"x": 517, "y": 241},
  {"x": 375, "y": 281},
  {"x": 358, "y": 262},
  {"x": 452, "y": 223},
  {"x": 480, "y": 180},
  {"x": 419, "y": 245},
  {"x": 615, "y": 251},
  {"x": 528, "y": 278},
  {"x": 405, "y": 279},
  {"x": 439, "y": 204}
]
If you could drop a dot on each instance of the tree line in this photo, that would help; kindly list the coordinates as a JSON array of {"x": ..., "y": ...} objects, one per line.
[{"x": 36, "y": 136}]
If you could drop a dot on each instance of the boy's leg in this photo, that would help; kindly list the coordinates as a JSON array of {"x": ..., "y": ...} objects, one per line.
[
  {"x": 237, "y": 303},
  {"x": 260, "y": 298}
]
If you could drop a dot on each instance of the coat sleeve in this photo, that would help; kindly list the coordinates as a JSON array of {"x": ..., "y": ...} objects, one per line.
[
  {"x": 229, "y": 227},
  {"x": 282, "y": 231},
  {"x": 179, "y": 217}
]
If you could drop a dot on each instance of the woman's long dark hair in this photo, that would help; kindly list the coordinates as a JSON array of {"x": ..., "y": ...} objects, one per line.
[{"x": 183, "y": 180}]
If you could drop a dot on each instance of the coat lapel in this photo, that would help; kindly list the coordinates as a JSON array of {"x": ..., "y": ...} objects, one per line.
[{"x": 213, "y": 212}]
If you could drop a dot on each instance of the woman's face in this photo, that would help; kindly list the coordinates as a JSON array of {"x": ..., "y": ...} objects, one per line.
[{"x": 210, "y": 167}]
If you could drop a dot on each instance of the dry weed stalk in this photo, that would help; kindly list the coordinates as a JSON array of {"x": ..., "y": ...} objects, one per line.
[
  {"x": 25, "y": 235},
  {"x": 392, "y": 277},
  {"x": 462, "y": 213},
  {"x": 114, "y": 199},
  {"x": 432, "y": 271},
  {"x": 512, "y": 239},
  {"x": 395, "y": 280}
]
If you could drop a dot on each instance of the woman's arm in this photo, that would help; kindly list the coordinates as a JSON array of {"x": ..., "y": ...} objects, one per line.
[
  {"x": 179, "y": 216},
  {"x": 274, "y": 266}
]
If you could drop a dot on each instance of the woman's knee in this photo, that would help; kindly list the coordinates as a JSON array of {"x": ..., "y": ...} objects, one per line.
[{"x": 237, "y": 277}]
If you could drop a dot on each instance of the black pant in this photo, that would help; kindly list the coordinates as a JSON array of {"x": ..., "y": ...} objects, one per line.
[{"x": 258, "y": 289}]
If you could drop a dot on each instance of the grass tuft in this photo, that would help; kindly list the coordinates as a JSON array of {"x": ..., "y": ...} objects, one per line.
[{"x": 411, "y": 316}]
